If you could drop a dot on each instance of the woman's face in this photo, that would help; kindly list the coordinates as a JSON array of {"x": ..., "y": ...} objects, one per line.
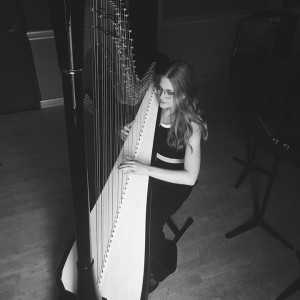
[{"x": 166, "y": 94}]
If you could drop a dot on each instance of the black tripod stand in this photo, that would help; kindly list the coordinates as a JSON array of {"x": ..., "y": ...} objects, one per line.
[{"x": 259, "y": 212}]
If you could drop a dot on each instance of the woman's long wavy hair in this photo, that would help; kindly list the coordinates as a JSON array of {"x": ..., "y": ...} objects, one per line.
[{"x": 187, "y": 104}]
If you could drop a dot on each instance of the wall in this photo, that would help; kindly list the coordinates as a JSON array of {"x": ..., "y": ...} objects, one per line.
[
  {"x": 178, "y": 8},
  {"x": 46, "y": 66},
  {"x": 203, "y": 34},
  {"x": 41, "y": 37},
  {"x": 205, "y": 42},
  {"x": 19, "y": 89}
]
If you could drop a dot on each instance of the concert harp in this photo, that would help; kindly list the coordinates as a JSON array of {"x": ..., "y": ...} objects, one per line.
[{"x": 102, "y": 93}]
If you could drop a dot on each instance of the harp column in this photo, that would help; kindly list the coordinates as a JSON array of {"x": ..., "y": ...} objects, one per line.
[
  {"x": 68, "y": 24},
  {"x": 86, "y": 286}
]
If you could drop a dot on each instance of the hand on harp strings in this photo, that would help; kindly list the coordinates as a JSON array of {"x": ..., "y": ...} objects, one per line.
[
  {"x": 131, "y": 166},
  {"x": 125, "y": 130}
]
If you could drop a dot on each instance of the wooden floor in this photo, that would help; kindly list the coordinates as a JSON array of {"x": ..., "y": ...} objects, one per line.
[{"x": 36, "y": 219}]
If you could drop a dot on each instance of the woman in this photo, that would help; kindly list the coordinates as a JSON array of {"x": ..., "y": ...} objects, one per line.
[{"x": 177, "y": 163}]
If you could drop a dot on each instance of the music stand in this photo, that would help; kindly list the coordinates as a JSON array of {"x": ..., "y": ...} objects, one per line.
[
  {"x": 258, "y": 219},
  {"x": 259, "y": 213}
]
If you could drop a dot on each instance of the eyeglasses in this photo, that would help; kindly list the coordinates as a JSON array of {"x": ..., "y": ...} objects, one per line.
[{"x": 167, "y": 93}]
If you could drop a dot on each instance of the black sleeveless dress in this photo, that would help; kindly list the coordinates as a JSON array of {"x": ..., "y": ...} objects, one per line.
[{"x": 167, "y": 198}]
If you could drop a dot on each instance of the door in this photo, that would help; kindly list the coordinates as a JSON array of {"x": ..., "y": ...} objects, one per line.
[{"x": 19, "y": 88}]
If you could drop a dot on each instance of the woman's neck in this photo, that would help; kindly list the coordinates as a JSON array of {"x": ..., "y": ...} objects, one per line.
[{"x": 167, "y": 116}]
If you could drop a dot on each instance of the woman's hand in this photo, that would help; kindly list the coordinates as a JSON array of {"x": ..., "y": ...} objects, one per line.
[
  {"x": 125, "y": 131},
  {"x": 131, "y": 166}
]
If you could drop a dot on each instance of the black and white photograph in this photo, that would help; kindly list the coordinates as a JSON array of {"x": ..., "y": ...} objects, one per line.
[{"x": 150, "y": 150}]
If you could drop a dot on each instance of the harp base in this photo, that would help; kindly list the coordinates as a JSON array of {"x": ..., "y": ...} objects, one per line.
[
  {"x": 65, "y": 295},
  {"x": 86, "y": 285}
]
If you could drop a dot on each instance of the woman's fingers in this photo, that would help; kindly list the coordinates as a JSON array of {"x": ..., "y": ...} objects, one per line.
[
  {"x": 125, "y": 130},
  {"x": 131, "y": 166},
  {"x": 126, "y": 165},
  {"x": 128, "y": 126},
  {"x": 131, "y": 123},
  {"x": 124, "y": 134},
  {"x": 127, "y": 169}
]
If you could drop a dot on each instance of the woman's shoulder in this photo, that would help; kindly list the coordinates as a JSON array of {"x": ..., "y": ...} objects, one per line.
[
  {"x": 199, "y": 130},
  {"x": 196, "y": 127}
]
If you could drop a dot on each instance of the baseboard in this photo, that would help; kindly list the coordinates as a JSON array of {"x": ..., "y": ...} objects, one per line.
[
  {"x": 40, "y": 35},
  {"x": 52, "y": 102}
]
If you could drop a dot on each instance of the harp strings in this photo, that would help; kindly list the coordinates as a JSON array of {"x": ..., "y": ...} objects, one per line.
[
  {"x": 96, "y": 95},
  {"x": 116, "y": 94}
]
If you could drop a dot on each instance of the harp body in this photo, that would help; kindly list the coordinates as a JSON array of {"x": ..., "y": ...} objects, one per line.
[
  {"x": 123, "y": 268},
  {"x": 94, "y": 48}
]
